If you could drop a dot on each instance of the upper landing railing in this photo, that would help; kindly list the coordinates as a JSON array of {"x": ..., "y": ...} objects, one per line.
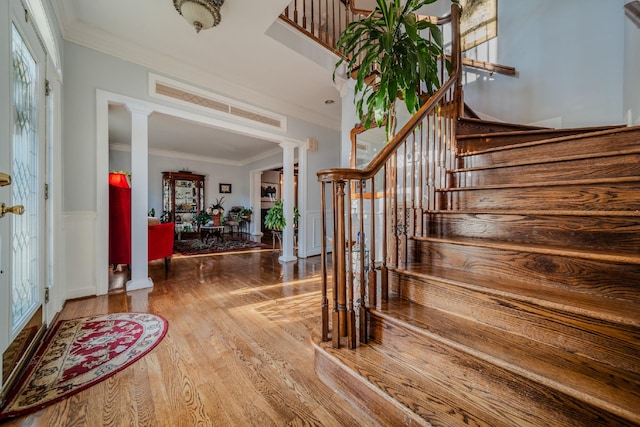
[{"x": 325, "y": 20}]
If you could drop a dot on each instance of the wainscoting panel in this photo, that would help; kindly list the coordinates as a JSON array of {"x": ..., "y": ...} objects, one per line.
[
  {"x": 79, "y": 244},
  {"x": 314, "y": 232}
]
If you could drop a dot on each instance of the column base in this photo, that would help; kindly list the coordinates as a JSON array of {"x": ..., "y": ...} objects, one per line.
[
  {"x": 133, "y": 285},
  {"x": 284, "y": 258}
]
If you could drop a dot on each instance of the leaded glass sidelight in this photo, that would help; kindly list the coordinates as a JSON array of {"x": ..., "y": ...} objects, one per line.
[{"x": 25, "y": 146}]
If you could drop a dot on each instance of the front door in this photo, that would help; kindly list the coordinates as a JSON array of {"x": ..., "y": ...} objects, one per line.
[{"x": 22, "y": 161}]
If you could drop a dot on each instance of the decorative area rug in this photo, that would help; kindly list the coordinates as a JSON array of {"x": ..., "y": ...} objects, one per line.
[
  {"x": 213, "y": 245},
  {"x": 79, "y": 353}
]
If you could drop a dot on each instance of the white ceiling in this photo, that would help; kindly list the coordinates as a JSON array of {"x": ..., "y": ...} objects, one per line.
[{"x": 235, "y": 59}]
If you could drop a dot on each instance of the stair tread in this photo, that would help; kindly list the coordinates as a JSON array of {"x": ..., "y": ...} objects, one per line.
[
  {"x": 601, "y": 255},
  {"x": 607, "y": 309},
  {"x": 540, "y": 131},
  {"x": 547, "y": 161},
  {"x": 610, "y": 388},
  {"x": 384, "y": 372},
  {"x": 551, "y": 140},
  {"x": 617, "y": 180},
  {"x": 534, "y": 212}
]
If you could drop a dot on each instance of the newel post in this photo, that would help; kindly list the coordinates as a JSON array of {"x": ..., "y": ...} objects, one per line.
[
  {"x": 340, "y": 310},
  {"x": 456, "y": 56},
  {"x": 323, "y": 257}
]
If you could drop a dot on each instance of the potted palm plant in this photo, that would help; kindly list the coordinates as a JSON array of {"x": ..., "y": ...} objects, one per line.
[{"x": 388, "y": 43}]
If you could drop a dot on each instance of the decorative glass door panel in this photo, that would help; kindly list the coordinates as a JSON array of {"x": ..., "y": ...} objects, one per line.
[
  {"x": 25, "y": 229},
  {"x": 22, "y": 237}
]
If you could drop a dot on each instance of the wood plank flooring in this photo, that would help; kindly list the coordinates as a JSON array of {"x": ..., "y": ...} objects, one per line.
[{"x": 238, "y": 351}]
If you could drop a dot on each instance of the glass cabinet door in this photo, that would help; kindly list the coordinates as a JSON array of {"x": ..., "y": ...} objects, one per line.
[{"x": 183, "y": 198}]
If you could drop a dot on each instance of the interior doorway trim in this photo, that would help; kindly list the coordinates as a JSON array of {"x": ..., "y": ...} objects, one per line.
[{"x": 103, "y": 99}]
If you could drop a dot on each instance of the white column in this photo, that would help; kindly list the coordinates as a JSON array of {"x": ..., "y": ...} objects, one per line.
[
  {"x": 288, "y": 202},
  {"x": 139, "y": 197},
  {"x": 256, "y": 221}
]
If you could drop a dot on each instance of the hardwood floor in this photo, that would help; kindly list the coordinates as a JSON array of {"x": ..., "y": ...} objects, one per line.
[{"x": 238, "y": 351}]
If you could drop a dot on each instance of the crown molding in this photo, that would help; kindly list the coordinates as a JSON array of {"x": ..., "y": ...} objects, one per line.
[{"x": 65, "y": 14}]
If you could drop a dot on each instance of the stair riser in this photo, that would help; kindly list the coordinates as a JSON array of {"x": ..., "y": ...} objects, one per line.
[
  {"x": 594, "y": 277},
  {"x": 599, "y": 340},
  {"x": 518, "y": 401},
  {"x": 545, "y": 152},
  {"x": 368, "y": 400},
  {"x": 621, "y": 234},
  {"x": 605, "y": 197},
  {"x": 477, "y": 143},
  {"x": 602, "y": 167}
]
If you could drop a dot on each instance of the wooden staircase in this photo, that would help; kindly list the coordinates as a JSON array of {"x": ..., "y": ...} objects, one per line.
[{"x": 519, "y": 302}]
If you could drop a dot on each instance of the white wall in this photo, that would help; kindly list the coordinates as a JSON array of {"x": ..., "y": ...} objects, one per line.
[
  {"x": 214, "y": 175},
  {"x": 631, "y": 72},
  {"x": 569, "y": 58}
]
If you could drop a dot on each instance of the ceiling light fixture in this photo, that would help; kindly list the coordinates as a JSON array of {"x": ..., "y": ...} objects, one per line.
[{"x": 201, "y": 14}]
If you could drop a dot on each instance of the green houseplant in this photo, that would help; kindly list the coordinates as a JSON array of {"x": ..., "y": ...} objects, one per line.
[
  {"x": 388, "y": 42},
  {"x": 274, "y": 218},
  {"x": 245, "y": 213}
]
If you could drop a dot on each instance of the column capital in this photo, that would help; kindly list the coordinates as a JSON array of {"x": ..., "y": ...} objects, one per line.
[
  {"x": 288, "y": 145},
  {"x": 138, "y": 108}
]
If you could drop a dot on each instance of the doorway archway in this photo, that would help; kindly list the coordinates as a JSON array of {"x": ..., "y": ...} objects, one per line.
[{"x": 103, "y": 98}]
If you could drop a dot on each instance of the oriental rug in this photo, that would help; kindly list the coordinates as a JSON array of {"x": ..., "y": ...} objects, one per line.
[
  {"x": 213, "y": 245},
  {"x": 79, "y": 353}
]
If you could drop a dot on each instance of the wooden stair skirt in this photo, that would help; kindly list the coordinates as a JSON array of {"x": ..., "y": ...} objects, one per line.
[{"x": 520, "y": 303}]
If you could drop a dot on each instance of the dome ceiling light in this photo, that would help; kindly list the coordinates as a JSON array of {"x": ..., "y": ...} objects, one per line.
[{"x": 201, "y": 14}]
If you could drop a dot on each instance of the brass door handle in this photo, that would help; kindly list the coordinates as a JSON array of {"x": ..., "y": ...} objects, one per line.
[
  {"x": 16, "y": 210},
  {"x": 5, "y": 179}
]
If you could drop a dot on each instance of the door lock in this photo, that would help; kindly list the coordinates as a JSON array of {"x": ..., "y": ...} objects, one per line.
[
  {"x": 5, "y": 179},
  {"x": 16, "y": 210}
]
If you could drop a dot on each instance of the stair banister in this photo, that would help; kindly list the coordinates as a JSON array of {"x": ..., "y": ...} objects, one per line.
[{"x": 412, "y": 168}]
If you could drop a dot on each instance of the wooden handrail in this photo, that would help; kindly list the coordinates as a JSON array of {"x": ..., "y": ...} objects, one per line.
[
  {"x": 337, "y": 174},
  {"x": 489, "y": 66}
]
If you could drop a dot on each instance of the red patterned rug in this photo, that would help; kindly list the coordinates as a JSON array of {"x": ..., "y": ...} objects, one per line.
[{"x": 79, "y": 353}]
